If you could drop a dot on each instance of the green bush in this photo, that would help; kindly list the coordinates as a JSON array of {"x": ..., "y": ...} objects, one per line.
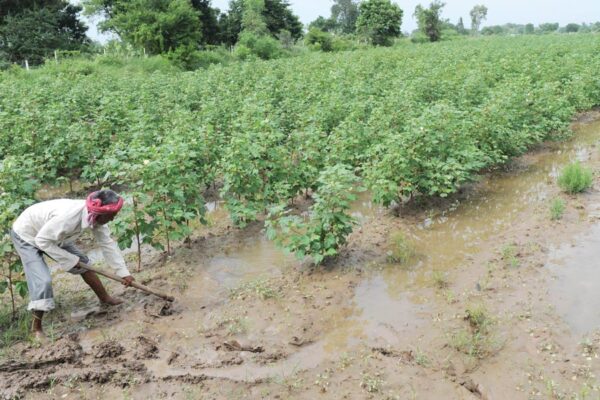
[
  {"x": 329, "y": 223},
  {"x": 318, "y": 40},
  {"x": 575, "y": 178},
  {"x": 264, "y": 47}
]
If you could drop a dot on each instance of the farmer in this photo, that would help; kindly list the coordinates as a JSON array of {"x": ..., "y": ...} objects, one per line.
[{"x": 51, "y": 228}]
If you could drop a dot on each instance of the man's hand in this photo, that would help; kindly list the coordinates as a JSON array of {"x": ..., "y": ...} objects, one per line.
[{"x": 127, "y": 280}]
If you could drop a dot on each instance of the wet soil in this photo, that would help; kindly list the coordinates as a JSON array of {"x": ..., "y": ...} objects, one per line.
[{"x": 497, "y": 301}]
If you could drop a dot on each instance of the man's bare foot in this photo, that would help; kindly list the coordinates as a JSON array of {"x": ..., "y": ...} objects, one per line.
[
  {"x": 39, "y": 337},
  {"x": 111, "y": 301}
]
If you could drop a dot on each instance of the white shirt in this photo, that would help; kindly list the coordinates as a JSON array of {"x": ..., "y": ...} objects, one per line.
[{"x": 51, "y": 224}]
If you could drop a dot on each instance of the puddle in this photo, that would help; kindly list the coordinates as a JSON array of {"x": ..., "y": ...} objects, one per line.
[{"x": 574, "y": 291}]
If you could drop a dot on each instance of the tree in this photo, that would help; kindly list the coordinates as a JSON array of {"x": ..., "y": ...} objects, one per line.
[
  {"x": 159, "y": 26},
  {"x": 379, "y": 21},
  {"x": 460, "y": 27},
  {"x": 344, "y": 14},
  {"x": 276, "y": 14},
  {"x": 319, "y": 40},
  {"x": 548, "y": 27},
  {"x": 428, "y": 20},
  {"x": 252, "y": 18},
  {"x": 323, "y": 24},
  {"x": 572, "y": 28},
  {"x": 478, "y": 14},
  {"x": 529, "y": 29},
  {"x": 34, "y": 33},
  {"x": 279, "y": 17},
  {"x": 209, "y": 21}
]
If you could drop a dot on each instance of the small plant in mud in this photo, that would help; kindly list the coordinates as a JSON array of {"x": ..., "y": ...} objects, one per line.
[
  {"x": 557, "y": 209},
  {"x": 322, "y": 381},
  {"x": 371, "y": 384},
  {"x": 402, "y": 251},
  {"x": 421, "y": 358},
  {"x": 440, "y": 279},
  {"x": 262, "y": 288},
  {"x": 575, "y": 178},
  {"x": 477, "y": 340},
  {"x": 329, "y": 222},
  {"x": 478, "y": 318},
  {"x": 509, "y": 255}
]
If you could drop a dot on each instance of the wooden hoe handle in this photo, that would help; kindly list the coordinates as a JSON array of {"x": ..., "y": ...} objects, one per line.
[{"x": 133, "y": 284}]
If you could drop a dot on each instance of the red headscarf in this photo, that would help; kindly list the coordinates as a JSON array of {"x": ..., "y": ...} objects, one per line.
[{"x": 95, "y": 208}]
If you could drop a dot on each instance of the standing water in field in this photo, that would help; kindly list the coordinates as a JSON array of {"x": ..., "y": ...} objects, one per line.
[{"x": 386, "y": 304}]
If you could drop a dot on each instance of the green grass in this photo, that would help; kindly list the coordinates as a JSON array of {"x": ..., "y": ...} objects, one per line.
[
  {"x": 12, "y": 331},
  {"x": 478, "y": 340},
  {"x": 402, "y": 251},
  {"x": 575, "y": 178},
  {"x": 557, "y": 209}
]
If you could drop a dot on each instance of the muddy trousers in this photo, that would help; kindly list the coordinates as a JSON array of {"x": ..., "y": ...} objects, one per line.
[{"x": 37, "y": 273}]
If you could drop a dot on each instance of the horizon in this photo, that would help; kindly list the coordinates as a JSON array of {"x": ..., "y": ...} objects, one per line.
[{"x": 500, "y": 12}]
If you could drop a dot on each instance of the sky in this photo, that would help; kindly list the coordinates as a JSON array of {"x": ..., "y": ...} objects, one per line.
[{"x": 499, "y": 11}]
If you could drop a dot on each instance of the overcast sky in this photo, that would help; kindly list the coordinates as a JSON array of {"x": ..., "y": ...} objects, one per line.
[{"x": 500, "y": 11}]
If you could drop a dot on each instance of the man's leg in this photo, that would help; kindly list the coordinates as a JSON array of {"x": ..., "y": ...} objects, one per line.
[
  {"x": 91, "y": 278},
  {"x": 39, "y": 282}
]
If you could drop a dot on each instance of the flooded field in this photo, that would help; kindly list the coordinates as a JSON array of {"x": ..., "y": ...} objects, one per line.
[{"x": 494, "y": 300}]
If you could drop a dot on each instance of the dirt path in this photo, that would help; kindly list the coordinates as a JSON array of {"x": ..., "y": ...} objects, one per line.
[{"x": 494, "y": 301}]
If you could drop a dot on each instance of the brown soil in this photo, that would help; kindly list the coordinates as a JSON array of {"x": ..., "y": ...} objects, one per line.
[{"x": 471, "y": 316}]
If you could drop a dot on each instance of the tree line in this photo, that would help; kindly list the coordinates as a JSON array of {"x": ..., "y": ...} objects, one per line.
[{"x": 192, "y": 33}]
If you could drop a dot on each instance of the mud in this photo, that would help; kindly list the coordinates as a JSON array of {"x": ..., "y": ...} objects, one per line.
[{"x": 497, "y": 302}]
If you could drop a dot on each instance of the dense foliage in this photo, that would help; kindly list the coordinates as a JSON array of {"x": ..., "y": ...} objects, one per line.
[
  {"x": 379, "y": 21},
  {"x": 32, "y": 31},
  {"x": 410, "y": 121}
]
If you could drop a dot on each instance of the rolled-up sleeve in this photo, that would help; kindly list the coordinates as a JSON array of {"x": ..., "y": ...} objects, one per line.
[
  {"x": 48, "y": 240},
  {"x": 110, "y": 250}
]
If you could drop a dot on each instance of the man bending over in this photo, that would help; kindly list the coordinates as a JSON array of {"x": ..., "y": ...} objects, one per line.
[{"x": 51, "y": 228}]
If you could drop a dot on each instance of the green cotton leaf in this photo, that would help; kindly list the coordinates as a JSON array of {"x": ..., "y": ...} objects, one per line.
[
  {"x": 3, "y": 286},
  {"x": 22, "y": 288}
]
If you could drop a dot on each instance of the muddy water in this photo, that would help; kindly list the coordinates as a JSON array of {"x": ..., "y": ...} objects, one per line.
[
  {"x": 448, "y": 237},
  {"x": 574, "y": 290},
  {"x": 386, "y": 304}
]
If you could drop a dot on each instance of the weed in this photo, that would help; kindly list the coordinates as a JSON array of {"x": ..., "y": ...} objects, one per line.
[
  {"x": 236, "y": 326},
  {"x": 509, "y": 255},
  {"x": 477, "y": 341},
  {"x": 450, "y": 297},
  {"x": 474, "y": 345},
  {"x": 440, "y": 279},
  {"x": 262, "y": 288},
  {"x": 588, "y": 347},
  {"x": 575, "y": 178},
  {"x": 371, "y": 384},
  {"x": 557, "y": 209},
  {"x": 345, "y": 361},
  {"x": 291, "y": 382},
  {"x": 322, "y": 381},
  {"x": 402, "y": 251},
  {"x": 12, "y": 331},
  {"x": 421, "y": 358},
  {"x": 479, "y": 318}
]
